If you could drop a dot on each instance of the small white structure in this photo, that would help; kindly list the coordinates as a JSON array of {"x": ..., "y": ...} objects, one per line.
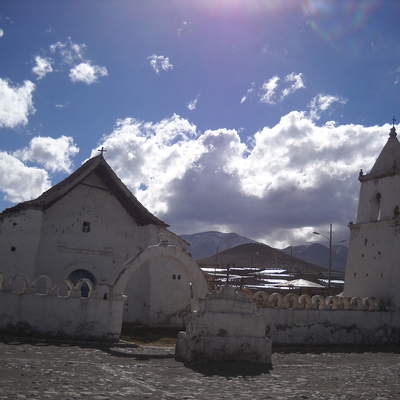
[
  {"x": 87, "y": 246},
  {"x": 373, "y": 267},
  {"x": 226, "y": 327}
]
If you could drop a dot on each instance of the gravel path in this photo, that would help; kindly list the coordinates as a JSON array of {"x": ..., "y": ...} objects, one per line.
[{"x": 68, "y": 371}]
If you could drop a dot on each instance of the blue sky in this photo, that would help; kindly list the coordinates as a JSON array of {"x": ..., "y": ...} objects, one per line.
[{"x": 249, "y": 116}]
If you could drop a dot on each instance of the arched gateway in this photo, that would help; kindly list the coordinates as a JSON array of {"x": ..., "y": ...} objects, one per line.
[{"x": 175, "y": 290}]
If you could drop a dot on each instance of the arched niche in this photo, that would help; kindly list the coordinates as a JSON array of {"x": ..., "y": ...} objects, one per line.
[
  {"x": 19, "y": 284},
  {"x": 42, "y": 284},
  {"x": 64, "y": 289}
]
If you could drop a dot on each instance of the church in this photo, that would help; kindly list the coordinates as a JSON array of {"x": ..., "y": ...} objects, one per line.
[
  {"x": 374, "y": 248},
  {"x": 86, "y": 255},
  {"x": 89, "y": 239}
]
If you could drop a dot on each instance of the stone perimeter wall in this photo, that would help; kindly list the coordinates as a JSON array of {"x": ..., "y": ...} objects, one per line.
[{"x": 318, "y": 320}]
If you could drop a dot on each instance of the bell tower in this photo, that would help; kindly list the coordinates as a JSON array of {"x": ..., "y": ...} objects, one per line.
[{"x": 373, "y": 262}]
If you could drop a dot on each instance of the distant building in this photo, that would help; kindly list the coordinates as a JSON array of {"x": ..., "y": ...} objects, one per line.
[
  {"x": 79, "y": 235},
  {"x": 373, "y": 266}
]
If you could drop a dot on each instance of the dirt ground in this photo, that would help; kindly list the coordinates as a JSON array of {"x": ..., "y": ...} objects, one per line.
[{"x": 54, "y": 370}]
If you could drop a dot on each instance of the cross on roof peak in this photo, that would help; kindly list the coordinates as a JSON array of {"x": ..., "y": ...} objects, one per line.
[
  {"x": 394, "y": 120},
  {"x": 102, "y": 150}
]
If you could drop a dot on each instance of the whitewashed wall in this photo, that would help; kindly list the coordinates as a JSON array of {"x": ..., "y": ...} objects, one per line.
[
  {"x": 54, "y": 316},
  {"x": 318, "y": 327}
]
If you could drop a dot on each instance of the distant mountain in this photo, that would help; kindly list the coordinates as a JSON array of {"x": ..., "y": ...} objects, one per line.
[
  {"x": 319, "y": 254},
  {"x": 205, "y": 244},
  {"x": 260, "y": 255}
]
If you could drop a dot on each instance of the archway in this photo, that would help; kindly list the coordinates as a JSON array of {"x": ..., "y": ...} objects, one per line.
[{"x": 175, "y": 281}]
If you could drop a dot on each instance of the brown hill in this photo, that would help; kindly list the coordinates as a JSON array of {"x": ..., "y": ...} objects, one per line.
[{"x": 260, "y": 255}]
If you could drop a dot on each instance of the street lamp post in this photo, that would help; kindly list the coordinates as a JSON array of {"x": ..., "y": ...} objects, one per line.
[{"x": 330, "y": 252}]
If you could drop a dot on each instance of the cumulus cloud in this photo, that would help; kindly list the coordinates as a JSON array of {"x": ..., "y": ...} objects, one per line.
[
  {"x": 54, "y": 154},
  {"x": 296, "y": 176},
  {"x": 19, "y": 182},
  {"x": 160, "y": 63},
  {"x": 192, "y": 104},
  {"x": 68, "y": 51},
  {"x": 16, "y": 103},
  {"x": 42, "y": 67},
  {"x": 321, "y": 103},
  {"x": 87, "y": 73},
  {"x": 295, "y": 82},
  {"x": 268, "y": 90},
  {"x": 276, "y": 89}
]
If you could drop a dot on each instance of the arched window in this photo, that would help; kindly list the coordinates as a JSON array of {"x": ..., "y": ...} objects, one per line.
[
  {"x": 376, "y": 207},
  {"x": 89, "y": 281},
  {"x": 85, "y": 289},
  {"x": 79, "y": 274}
]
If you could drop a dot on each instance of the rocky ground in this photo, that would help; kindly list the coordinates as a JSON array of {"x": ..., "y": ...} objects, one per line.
[{"x": 49, "y": 370}]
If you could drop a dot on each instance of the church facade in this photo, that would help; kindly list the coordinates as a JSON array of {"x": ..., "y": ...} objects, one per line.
[{"x": 81, "y": 238}]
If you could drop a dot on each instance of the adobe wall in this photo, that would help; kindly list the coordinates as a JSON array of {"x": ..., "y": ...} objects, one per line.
[
  {"x": 52, "y": 316},
  {"x": 90, "y": 310},
  {"x": 319, "y": 320},
  {"x": 40, "y": 307}
]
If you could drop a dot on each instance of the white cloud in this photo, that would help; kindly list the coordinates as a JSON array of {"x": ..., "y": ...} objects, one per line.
[
  {"x": 184, "y": 26},
  {"x": 295, "y": 175},
  {"x": 268, "y": 89},
  {"x": 42, "y": 67},
  {"x": 192, "y": 104},
  {"x": 397, "y": 76},
  {"x": 87, "y": 73},
  {"x": 1, "y": 33},
  {"x": 321, "y": 103},
  {"x": 249, "y": 91},
  {"x": 160, "y": 63},
  {"x": 19, "y": 182},
  {"x": 146, "y": 154},
  {"x": 16, "y": 103},
  {"x": 68, "y": 51},
  {"x": 296, "y": 83},
  {"x": 53, "y": 154},
  {"x": 274, "y": 90}
]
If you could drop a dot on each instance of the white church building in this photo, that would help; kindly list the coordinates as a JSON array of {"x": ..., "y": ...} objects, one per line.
[
  {"x": 373, "y": 264},
  {"x": 85, "y": 247}
]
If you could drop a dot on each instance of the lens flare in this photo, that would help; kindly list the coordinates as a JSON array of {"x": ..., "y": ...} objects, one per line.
[
  {"x": 333, "y": 19},
  {"x": 246, "y": 6}
]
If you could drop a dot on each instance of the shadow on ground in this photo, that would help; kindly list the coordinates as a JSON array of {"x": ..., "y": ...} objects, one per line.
[
  {"x": 229, "y": 369},
  {"x": 121, "y": 349}
]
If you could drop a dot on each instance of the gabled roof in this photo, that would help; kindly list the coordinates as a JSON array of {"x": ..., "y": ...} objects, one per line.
[
  {"x": 388, "y": 162},
  {"x": 389, "y": 158},
  {"x": 98, "y": 165}
]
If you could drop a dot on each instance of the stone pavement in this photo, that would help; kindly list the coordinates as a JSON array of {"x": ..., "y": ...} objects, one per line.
[{"x": 70, "y": 371}]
